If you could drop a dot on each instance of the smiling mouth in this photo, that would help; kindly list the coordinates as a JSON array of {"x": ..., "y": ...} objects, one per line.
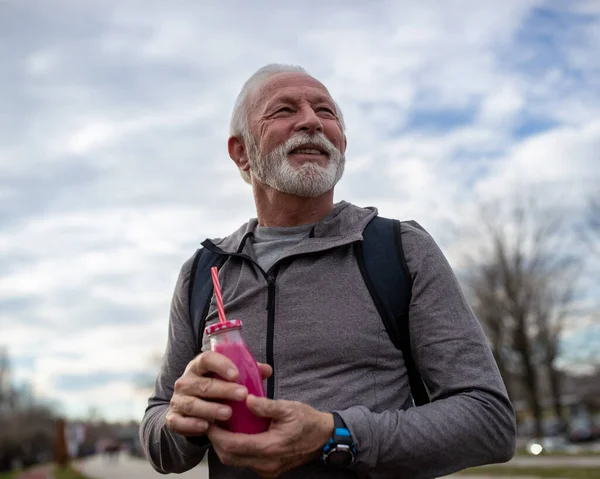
[{"x": 308, "y": 150}]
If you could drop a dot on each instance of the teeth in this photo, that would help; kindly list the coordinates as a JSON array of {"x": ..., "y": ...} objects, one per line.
[{"x": 308, "y": 151}]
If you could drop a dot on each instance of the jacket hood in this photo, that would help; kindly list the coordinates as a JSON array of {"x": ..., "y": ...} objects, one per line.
[{"x": 343, "y": 224}]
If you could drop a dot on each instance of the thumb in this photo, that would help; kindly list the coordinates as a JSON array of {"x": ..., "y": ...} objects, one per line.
[
  {"x": 266, "y": 371},
  {"x": 265, "y": 407}
]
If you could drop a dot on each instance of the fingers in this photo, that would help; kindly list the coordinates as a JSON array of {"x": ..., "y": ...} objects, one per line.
[
  {"x": 220, "y": 365},
  {"x": 244, "y": 447},
  {"x": 211, "y": 376},
  {"x": 218, "y": 434},
  {"x": 246, "y": 451},
  {"x": 207, "y": 382},
  {"x": 268, "y": 408},
  {"x": 212, "y": 362},
  {"x": 209, "y": 388},
  {"x": 265, "y": 370},
  {"x": 186, "y": 426},
  {"x": 189, "y": 406}
]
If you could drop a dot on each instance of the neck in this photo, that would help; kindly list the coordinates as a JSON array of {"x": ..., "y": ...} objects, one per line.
[{"x": 275, "y": 208}]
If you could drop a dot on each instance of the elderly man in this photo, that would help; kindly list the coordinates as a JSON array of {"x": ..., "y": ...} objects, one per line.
[{"x": 335, "y": 381}]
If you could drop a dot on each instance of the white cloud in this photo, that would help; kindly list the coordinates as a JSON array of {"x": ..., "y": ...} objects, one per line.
[
  {"x": 43, "y": 62},
  {"x": 501, "y": 105},
  {"x": 563, "y": 160}
]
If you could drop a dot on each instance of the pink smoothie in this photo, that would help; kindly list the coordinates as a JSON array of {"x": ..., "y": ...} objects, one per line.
[{"x": 242, "y": 419}]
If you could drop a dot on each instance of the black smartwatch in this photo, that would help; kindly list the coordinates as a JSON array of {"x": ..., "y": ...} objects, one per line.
[{"x": 340, "y": 451}]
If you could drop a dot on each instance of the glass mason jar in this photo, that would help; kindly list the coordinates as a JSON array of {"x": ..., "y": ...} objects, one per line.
[{"x": 226, "y": 338}]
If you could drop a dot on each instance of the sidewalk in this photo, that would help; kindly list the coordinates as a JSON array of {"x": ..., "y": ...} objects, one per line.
[
  {"x": 39, "y": 472},
  {"x": 127, "y": 467}
]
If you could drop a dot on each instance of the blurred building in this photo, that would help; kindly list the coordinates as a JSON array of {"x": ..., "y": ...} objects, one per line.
[{"x": 580, "y": 399}]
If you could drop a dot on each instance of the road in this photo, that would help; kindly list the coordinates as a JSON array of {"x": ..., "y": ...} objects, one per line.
[{"x": 127, "y": 467}]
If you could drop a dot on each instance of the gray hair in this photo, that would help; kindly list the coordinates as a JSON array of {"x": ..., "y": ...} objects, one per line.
[{"x": 239, "y": 118}]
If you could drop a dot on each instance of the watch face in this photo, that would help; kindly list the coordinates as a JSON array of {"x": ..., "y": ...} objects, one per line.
[{"x": 339, "y": 458}]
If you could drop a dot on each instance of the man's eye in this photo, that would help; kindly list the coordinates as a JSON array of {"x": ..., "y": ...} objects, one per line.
[
  {"x": 285, "y": 109},
  {"x": 326, "y": 110}
]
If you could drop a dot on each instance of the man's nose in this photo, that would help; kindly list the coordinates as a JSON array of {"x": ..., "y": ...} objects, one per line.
[{"x": 308, "y": 121}]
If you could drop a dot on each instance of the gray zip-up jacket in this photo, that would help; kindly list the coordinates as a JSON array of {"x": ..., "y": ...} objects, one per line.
[{"x": 312, "y": 318}]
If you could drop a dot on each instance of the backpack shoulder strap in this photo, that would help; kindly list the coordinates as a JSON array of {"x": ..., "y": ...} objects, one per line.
[
  {"x": 383, "y": 266},
  {"x": 201, "y": 289}
]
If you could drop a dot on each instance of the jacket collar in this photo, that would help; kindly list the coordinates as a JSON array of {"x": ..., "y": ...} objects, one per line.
[{"x": 344, "y": 224}]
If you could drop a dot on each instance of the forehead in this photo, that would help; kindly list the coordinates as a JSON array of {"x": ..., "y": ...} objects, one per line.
[{"x": 294, "y": 85}]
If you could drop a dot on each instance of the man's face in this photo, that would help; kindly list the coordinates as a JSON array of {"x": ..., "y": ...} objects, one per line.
[{"x": 296, "y": 142}]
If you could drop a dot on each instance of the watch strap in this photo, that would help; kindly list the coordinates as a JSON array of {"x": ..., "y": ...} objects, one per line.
[
  {"x": 341, "y": 433},
  {"x": 341, "y": 440}
]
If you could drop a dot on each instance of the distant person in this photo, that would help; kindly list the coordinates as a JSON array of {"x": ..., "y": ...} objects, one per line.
[
  {"x": 112, "y": 451},
  {"x": 292, "y": 275}
]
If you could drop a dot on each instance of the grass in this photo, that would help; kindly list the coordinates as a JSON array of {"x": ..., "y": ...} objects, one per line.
[
  {"x": 9, "y": 475},
  {"x": 557, "y": 472},
  {"x": 524, "y": 453}
]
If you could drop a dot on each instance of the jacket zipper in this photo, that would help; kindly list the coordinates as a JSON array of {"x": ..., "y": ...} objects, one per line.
[{"x": 270, "y": 332}]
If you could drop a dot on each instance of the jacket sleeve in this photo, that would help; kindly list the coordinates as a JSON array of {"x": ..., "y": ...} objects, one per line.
[
  {"x": 169, "y": 452},
  {"x": 470, "y": 420}
]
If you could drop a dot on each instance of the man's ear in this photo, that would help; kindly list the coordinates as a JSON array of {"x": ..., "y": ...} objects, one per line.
[{"x": 237, "y": 152}]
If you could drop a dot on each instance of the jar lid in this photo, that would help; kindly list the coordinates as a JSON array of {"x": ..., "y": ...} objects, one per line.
[{"x": 219, "y": 327}]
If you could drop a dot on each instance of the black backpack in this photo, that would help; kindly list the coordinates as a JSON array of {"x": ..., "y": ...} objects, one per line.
[{"x": 385, "y": 272}]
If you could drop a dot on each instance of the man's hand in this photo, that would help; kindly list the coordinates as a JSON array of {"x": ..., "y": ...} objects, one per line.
[
  {"x": 296, "y": 436},
  {"x": 198, "y": 393}
]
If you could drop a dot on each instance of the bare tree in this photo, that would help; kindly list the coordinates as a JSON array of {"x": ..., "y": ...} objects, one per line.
[
  {"x": 591, "y": 229},
  {"x": 586, "y": 352},
  {"x": 26, "y": 428},
  {"x": 485, "y": 287},
  {"x": 551, "y": 307},
  {"x": 521, "y": 288}
]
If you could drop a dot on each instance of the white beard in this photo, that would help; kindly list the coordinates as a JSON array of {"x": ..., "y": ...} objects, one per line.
[{"x": 309, "y": 180}]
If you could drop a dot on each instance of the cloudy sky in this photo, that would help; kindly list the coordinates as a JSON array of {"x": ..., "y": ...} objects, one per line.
[{"x": 113, "y": 162}]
